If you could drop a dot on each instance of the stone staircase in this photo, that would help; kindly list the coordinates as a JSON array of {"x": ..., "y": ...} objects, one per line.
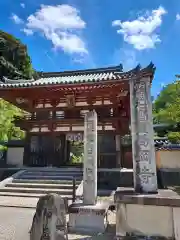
[{"x": 38, "y": 182}]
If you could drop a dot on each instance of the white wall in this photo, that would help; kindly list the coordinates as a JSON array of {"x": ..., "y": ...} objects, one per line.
[
  {"x": 15, "y": 156},
  {"x": 168, "y": 159}
]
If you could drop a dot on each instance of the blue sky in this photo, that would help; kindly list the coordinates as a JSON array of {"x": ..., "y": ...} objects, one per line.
[{"x": 79, "y": 34}]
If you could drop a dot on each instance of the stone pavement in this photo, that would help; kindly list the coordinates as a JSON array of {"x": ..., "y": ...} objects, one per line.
[
  {"x": 31, "y": 202},
  {"x": 22, "y": 202},
  {"x": 16, "y": 222}
]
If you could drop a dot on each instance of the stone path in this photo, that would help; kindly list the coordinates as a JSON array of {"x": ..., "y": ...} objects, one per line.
[
  {"x": 22, "y": 202},
  {"x": 15, "y": 224}
]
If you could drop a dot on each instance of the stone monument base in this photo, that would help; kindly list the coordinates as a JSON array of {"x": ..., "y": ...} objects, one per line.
[
  {"x": 88, "y": 218},
  {"x": 154, "y": 215}
]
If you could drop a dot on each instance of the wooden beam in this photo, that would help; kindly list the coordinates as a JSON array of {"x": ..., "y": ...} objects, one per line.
[
  {"x": 75, "y": 132},
  {"x": 107, "y": 106},
  {"x": 71, "y": 120},
  {"x": 46, "y": 92},
  {"x": 31, "y": 102}
]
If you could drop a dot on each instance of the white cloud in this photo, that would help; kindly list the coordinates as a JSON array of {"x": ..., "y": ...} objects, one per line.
[
  {"x": 22, "y": 5},
  {"x": 141, "y": 32},
  {"x": 27, "y": 31},
  {"x": 78, "y": 60},
  {"x": 16, "y": 19},
  {"x": 61, "y": 25},
  {"x": 177, "y": 16}
]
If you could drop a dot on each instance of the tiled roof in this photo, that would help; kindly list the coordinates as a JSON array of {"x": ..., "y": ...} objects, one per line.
[
  {"x": 169, "y": 147},
  {"x": 165, "y": 144},
  {"x": 160, "y": 142},
  {"x": 82, "y": 76}
]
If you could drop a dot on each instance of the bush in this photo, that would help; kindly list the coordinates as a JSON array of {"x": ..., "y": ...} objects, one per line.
[
  {"x": 76, "y": 159},
  {"x": 174, "y": 137}
]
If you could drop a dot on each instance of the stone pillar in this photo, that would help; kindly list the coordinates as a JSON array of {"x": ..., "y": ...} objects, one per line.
[
  {"x": 90, "y": 159},
  {"x": 118, "y": 151},
  {"x": 144, "y": 163}
]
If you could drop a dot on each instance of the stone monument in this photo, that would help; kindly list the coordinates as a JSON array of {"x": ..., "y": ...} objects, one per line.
[
  {"x": 49, "y": 221},
  {"x": 90, "y": 159},
  {"x": 144, "y": 162},
  {"x": 89, "y": 216},
  {"x": 145, "y": 211}
]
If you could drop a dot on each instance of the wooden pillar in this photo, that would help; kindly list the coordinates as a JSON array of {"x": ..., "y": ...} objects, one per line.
[
  {"x": 118, "y": 151},
  {"x": 66, "y": 150},
  {"x": 27, "y": 143},
  {"x": 144, "y": 164}
]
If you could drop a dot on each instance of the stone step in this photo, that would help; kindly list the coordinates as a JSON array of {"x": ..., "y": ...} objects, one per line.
[
  {"x": 44, "y": 181},
  {"x": 53, "y": 177},
  {"x": 29, "y": 195},
  {"x": 40, "y": 185},
  {"x": 53, "y": 169},
  {"x": 53, "y": 173},
  {"x": 37, "y": 190}
]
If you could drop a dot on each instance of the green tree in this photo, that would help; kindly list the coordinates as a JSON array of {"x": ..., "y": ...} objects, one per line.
[
  {"x": 77, "y": 150},
  {"x": 15, "y": 62},
  {"x": 167, "y": 105},
  {"x": 8, "y": 114},
  {"x": 166, "y": 109}
]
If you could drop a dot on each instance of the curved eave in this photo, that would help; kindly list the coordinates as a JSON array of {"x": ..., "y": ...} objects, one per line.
[
  {"x": 102, "y": 82},
  {"x": 84, "y": 80}
]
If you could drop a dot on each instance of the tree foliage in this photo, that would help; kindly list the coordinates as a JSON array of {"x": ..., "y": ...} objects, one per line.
[
  {"x": 8, "y": 114},
  {"x": 166, "y": 109},
  {"x": 167, "y": 105},
  {"x": 15, "y": 63},
  {"x": 77, "y": 151},
  {"x": 14, "y": 60},
  {"x": 174, "y": 137}
]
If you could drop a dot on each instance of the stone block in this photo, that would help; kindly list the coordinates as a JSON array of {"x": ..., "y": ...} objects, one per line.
[
  {"x": 152, "y": 215},
  {"x": 176, "y": 218},
  {"x": 88, "y": 218},
  {"x": 145, "y": 220}
]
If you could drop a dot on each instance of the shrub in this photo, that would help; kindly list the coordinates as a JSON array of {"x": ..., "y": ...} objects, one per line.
[{"x": 174, "y": 137}]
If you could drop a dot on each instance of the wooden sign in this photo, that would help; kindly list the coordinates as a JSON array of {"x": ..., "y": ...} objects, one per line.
[{"x": 70, "y": 101}]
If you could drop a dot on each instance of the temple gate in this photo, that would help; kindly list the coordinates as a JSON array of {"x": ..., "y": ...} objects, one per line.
[{"x": 55, "y": 105}]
